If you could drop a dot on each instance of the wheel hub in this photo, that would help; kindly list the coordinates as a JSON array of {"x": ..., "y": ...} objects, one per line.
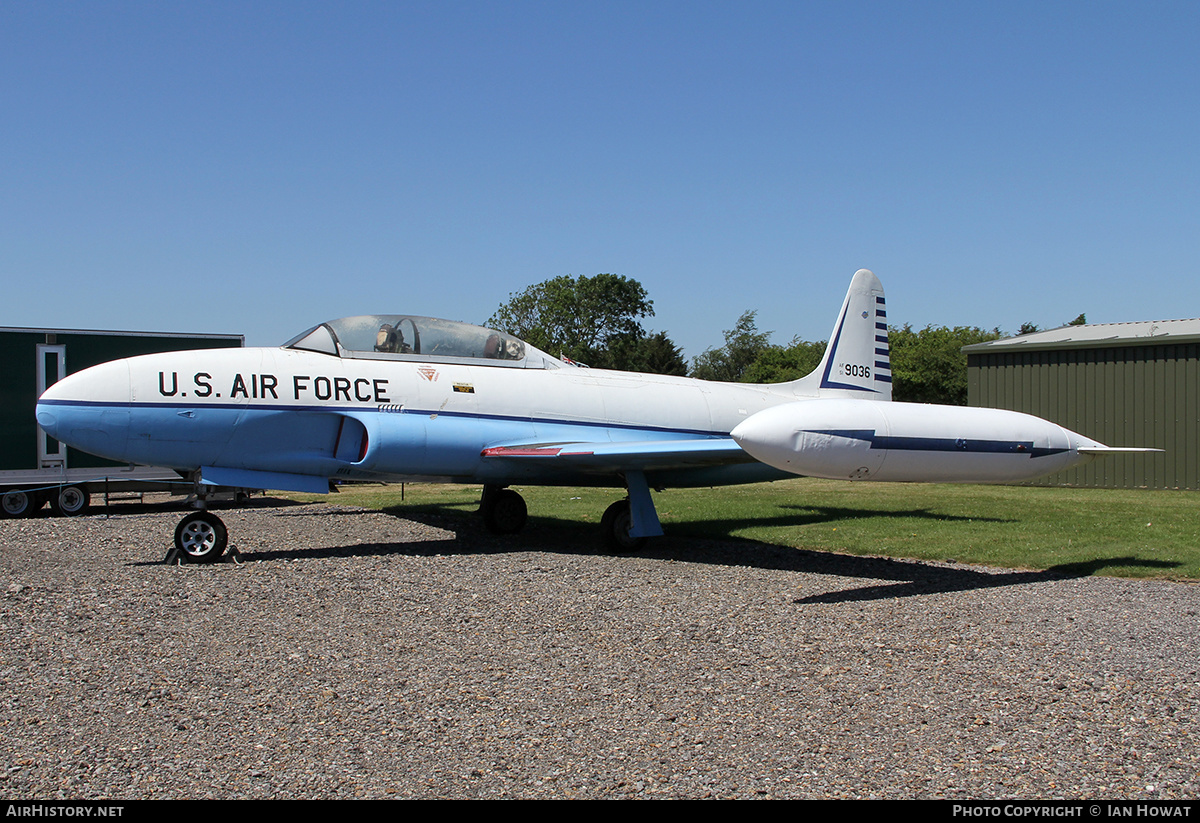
[{"x": 198, "y": 538}]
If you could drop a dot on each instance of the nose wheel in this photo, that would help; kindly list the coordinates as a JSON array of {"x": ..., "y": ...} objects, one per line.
[{"x": 200, "y": 537}]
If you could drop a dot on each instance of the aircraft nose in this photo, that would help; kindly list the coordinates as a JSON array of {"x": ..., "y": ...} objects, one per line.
[
  {"x": 89, "y": 410},
  {"x": 48, "y": 420}
]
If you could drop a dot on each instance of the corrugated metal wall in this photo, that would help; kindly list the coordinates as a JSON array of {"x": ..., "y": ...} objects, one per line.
[{"x": 1121, "y": 396}]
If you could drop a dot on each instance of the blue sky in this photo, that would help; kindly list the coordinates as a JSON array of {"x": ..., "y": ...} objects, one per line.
[{"x": 258, "y": 167}]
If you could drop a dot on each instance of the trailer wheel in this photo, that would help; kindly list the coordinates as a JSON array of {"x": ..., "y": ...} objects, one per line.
[
  {"x": 19, "y": 503},
  {"x": 201, "y": 537},
  {"x": 69, "y": 500}
]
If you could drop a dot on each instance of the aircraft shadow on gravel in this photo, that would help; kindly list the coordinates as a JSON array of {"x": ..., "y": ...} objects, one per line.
[{"x": 905, "y": 578}]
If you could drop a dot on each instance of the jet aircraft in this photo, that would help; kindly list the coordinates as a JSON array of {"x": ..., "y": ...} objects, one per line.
[{"x": 403, "y": 398}]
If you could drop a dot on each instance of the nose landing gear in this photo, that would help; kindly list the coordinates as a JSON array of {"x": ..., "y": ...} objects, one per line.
[{"x": 200, "y": 537}]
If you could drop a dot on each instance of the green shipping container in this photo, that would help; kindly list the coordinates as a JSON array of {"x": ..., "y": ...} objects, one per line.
[{"x": 37, "y": 358}]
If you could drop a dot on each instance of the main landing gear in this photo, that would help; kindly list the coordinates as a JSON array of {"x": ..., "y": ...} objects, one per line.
[
  {"x": 615, "y": 527},
  {"x": 624, "y": 528},
  {"x": 504, "y": 511}
]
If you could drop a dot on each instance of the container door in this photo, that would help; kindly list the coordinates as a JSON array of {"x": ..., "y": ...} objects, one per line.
[{"x": 51, "y": 367}]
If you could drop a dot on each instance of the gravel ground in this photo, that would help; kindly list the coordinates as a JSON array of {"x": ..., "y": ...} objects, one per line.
[{"x": 355, "y": 654}]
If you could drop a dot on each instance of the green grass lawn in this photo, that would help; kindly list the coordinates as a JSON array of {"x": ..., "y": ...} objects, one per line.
[{"x": 1091, "y": 531}]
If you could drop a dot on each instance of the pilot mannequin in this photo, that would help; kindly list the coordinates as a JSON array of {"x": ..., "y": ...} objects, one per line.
[{"x": 390, "y": 339}]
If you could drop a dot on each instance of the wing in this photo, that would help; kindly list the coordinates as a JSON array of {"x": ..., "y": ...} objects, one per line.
[{"x": 633, "y": 455}]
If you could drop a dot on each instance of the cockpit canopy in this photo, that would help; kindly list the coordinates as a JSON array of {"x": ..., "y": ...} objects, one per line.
[{"x": 409, "y": 337}]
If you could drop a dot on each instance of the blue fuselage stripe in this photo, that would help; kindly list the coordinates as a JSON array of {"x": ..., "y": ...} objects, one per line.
[
  {"x": 940, "y": 444},
  {"x": 359, "y": 410}
]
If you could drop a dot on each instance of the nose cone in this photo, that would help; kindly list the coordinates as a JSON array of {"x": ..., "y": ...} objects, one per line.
[{"x": 89, "y": 410}]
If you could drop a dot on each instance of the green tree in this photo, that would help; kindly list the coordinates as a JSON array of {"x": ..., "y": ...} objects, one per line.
[
  {"x": 777, "y": 364},
  {"x": 928, "y": 366},
  {"x": 1030, "y": 328},
  {"x": 594, "y": 320},
  {"x": 653, "y": 354},
  {"x": 744, "y": 343}
]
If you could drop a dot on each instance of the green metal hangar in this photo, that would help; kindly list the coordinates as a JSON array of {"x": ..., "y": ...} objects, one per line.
[
  {"x": 1124, "y": 384},
  {"x": 36, "y": 469}
]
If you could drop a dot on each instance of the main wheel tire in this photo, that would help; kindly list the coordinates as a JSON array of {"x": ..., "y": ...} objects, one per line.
[
  {"x": 505, "y": 512},
  {"x": 69, "y": 500},
  {"x": 19, "y": 503},
  {"x": 615, "y": 526},
  {"x": 201, "y": 537}
]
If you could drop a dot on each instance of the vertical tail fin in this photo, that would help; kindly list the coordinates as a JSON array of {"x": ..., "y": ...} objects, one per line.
[{"x": 857, "y": 362}]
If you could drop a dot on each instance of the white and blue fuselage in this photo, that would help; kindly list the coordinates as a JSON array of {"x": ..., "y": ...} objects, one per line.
[
  {"x": 391, "y": 397},
  {"x": 314, "y": 415}
]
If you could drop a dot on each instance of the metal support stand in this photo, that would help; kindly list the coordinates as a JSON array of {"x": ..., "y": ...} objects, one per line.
[{"x": 175, "y": 556}]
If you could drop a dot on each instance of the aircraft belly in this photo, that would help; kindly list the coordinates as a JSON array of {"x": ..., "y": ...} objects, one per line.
[{"x": 181, "y": 437}]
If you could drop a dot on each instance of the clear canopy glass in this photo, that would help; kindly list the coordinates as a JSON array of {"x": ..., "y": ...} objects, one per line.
[{"x": 402, "y": 336}]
